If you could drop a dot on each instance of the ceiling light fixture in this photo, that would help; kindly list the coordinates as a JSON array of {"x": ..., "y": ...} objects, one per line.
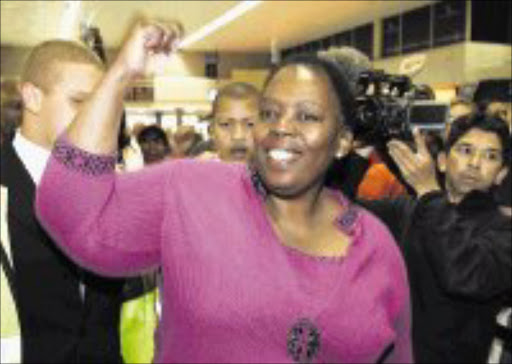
[
  {"x": 219, "y": 22},
  {"x": 69, "y": 20}
]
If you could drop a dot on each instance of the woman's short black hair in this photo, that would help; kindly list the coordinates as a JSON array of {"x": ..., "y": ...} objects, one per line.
[
  {"x": 483, "y": 121},
  {"x": 336, "y": 76}
]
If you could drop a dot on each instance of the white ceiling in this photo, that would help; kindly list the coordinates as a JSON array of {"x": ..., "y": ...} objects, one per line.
[{"x": 283, "y": 23}]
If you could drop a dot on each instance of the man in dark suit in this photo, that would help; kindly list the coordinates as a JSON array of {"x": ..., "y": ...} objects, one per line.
[{"x": 67, "y": 315}]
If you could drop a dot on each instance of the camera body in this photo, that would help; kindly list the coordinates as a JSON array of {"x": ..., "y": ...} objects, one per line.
[{"x": 389, "y": 106}]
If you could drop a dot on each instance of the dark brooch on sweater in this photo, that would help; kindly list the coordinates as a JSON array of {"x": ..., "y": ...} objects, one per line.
[
  {"x": 82, "y": 161},
  {"x": 303, "y": 341},
  {"x": 347, "y": 221}
]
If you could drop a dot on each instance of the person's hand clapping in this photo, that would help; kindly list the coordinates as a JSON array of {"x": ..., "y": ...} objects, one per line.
[
  {"x": 417, "y": 168},
  {"x": 145, "y": 40}
]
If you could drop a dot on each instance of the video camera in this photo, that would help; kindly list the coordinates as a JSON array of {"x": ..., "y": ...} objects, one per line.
[{"x": 389, "y": 106}]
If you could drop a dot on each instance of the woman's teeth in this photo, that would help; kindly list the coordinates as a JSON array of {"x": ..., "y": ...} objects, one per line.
[{"x": 281, "y": 155}]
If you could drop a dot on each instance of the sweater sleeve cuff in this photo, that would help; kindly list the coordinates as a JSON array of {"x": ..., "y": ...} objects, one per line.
[{"x": 82, "y": 161}]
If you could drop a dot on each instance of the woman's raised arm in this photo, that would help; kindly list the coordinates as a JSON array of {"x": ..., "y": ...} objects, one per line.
[
  {"x": 106, "y": 222},
  {"x": 96, "y": 125}
]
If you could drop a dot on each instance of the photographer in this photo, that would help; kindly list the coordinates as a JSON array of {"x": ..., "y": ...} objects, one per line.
[
  {"x": 456, "y": 243},
  {"x": 362, "y": 172}
]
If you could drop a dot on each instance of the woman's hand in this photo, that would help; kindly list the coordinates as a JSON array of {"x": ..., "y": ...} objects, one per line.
[
  {"x": 96, "y": 125},
  {"x": 417, "y": 168},
  {"x": 145, "y": 40}
]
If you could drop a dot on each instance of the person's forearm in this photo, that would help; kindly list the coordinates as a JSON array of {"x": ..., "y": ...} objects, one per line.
[{"x": 96, "y": 125}]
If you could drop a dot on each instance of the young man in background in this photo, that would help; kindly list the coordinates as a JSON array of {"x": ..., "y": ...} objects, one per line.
[{"x": 66, "y": 314}]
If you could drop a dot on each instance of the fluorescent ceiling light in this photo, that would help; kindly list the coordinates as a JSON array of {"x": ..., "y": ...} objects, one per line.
[
  {"x": 69, "y": 20},
  {"x": 219, "y": 22}
]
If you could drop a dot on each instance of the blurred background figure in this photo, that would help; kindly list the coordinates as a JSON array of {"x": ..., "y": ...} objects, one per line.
[
  {"x": 234, "y": 112},
  {"x": 92, "y": 38},
  {"x": 495, "y": 96},
  {"x": 423, "y": 92},
  {"x": 142, "y": 146},
  {"x": 184, "y": 141},
  {"x": 11, "y": 110},
  {"x": 154, "y": 144},
  {"x": 347, "y": 173},
  {"x": 460, "y": 107},
  {"x": 362, "y": 172},
  {"x": 351, "y": 60}
]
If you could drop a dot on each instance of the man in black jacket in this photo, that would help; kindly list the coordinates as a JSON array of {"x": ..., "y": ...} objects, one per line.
[
  {"x": 456, "y": 243},
  {"x": 67, "y": 315}
]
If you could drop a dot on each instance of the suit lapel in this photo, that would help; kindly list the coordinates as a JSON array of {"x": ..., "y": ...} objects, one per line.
[{"x": 20, "y": 187}]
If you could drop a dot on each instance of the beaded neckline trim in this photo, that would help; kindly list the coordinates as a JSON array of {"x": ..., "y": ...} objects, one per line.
[{"x": 347, "y": 221}]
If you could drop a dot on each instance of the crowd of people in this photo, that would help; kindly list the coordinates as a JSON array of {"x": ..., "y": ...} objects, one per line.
[{"x": 283, "y": 238}]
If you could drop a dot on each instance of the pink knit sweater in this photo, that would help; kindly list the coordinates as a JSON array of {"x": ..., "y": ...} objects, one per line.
[{"x": 232, "y": 292}]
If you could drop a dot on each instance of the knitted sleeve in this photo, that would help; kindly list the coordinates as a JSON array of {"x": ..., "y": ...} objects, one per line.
[{"x": 109, "y": 223}]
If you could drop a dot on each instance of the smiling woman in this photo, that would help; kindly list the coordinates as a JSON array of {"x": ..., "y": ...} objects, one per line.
[
  {"x": 305, "y": 123},
  {"x": 259, "y": 264}
]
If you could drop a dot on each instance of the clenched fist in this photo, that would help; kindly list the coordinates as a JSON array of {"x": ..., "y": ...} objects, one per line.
[{"x": 146, "y": 40}]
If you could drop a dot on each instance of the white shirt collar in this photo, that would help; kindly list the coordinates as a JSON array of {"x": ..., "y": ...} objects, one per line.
[
  {"x": 33, "y": 156},
  {"x": 365, "y": 151}
]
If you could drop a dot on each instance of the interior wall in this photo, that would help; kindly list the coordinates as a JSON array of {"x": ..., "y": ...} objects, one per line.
[
  {"x": 182, "y": 88},
  {"x": 248, "y": 61},
  {"x": 487, "y": 60},
  {"x": 443, "y": 64},
  {"x": 12, "y": 59},
  {"x": 193, "y": 64},
  {"x": 190, "y": 64},
  {"x": 185, "y": 64},
  {"x": 459, "y": 63}
]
